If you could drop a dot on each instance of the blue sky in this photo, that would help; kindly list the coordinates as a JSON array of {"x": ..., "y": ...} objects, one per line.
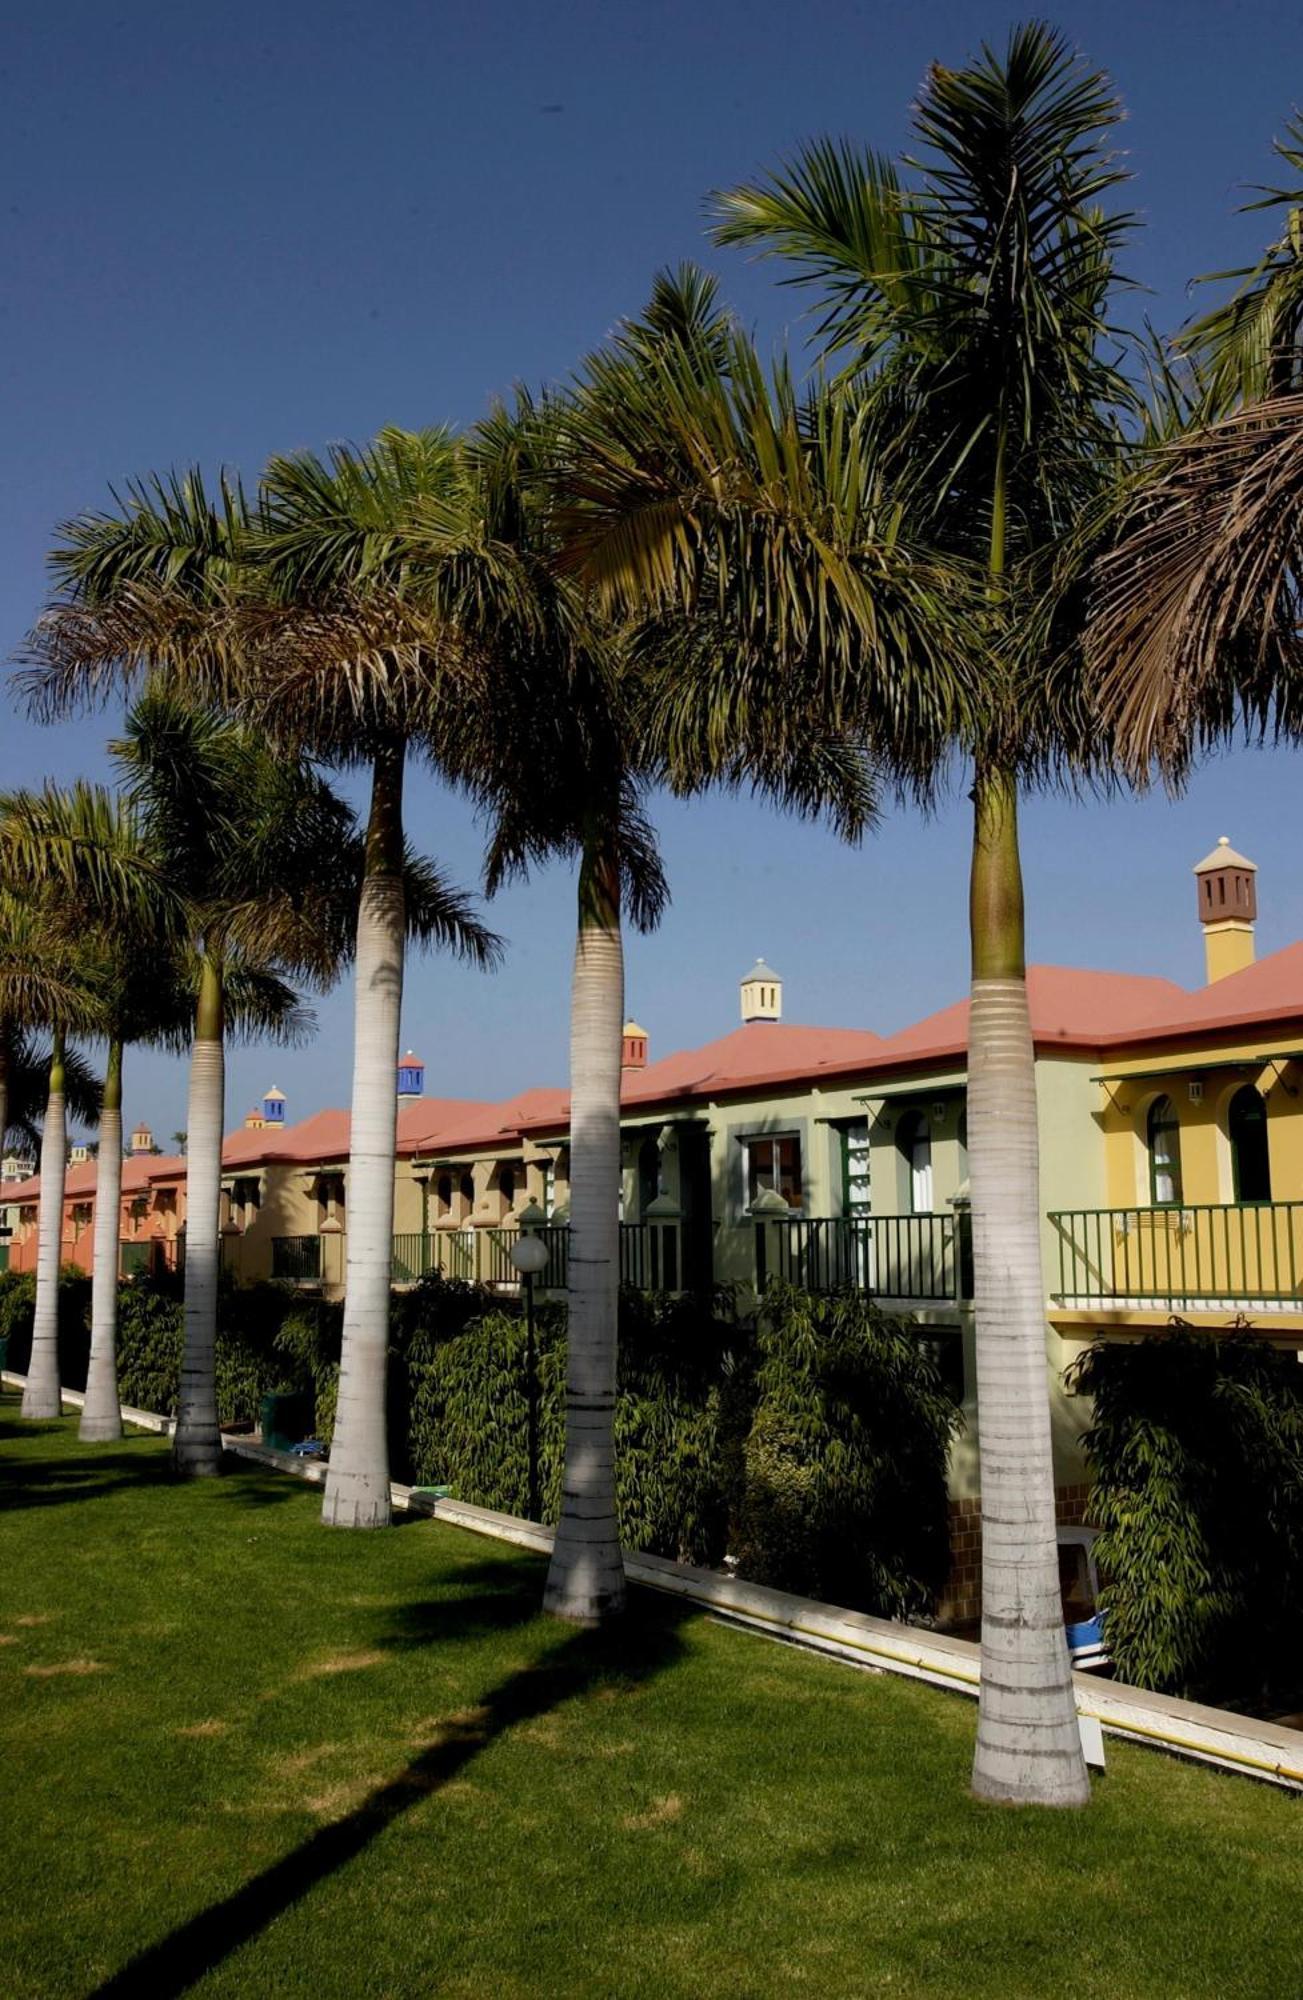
[{"x": 238, "y": 230}]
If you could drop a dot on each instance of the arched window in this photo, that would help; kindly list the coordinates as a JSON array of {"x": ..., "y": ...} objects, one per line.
[
  {"x": 443, "y": 1193},
  {"x": 1163, "y": 1136},
  {"x": 466, "y": 1188},
  {"x": 507, "y": 1184},
  {"x": 1246, "y": 1126},
  {"x": 914, "y": 1138}
]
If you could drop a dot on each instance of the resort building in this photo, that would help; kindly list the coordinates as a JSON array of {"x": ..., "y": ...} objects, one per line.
[{"x": 1171, "y": 1149}]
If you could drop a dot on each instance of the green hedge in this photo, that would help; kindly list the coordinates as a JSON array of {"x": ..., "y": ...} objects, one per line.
[
  {"x": 812, "y": 1448},
  {"x": 269, "y": 1337},
  {"x": 1196, "y": 1454},
  {"x": 844, "y": 1466},
  {"x": 17, "y": 1309}
]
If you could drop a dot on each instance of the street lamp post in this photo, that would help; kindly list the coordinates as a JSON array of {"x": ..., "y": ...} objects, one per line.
[{"x": 529, "y": 1255}]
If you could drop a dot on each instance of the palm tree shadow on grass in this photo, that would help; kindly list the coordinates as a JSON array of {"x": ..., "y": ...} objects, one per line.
[
  {"x": 642, "y": 1644},
  {"x": 53, "y": 1482}
]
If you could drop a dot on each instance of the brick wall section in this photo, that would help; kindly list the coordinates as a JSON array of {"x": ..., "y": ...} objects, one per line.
[{"x": 961, "y": 1600}]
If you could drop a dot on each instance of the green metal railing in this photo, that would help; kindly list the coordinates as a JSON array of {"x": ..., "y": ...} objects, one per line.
[
  {"x": 649, "y": 1256},
  {"x": 1221, "y": 1254},
  {"x": 922, "y": 1257},
  {"x": 296, "y": 1259}
]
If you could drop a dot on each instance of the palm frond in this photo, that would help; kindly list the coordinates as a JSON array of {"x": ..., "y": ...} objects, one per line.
[{"x": 1197, "y": 609}]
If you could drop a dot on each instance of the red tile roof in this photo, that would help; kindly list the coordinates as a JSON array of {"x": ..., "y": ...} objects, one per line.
[
  {"x": 1271, "y": 990},
  {"x": 138, "y": 1170},
  {"x": 1068, "y": 1007}
]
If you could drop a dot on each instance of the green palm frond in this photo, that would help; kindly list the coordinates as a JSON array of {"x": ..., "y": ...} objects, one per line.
[
  {"x": 49, "y": 975},
  {"x": 28, "y": 1078},
  {"x": 261, "y": 1006},
  {"x": 1251, "y": 345},
  {"x": 439, "y": 914},
  {"x": 87, "y": 843}
]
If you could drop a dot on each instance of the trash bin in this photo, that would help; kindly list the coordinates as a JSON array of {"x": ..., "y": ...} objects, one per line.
[{"x": 285, "y": 1417}]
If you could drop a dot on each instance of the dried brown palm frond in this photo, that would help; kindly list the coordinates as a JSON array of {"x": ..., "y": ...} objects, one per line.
[{"x": 1196, "y": 607}]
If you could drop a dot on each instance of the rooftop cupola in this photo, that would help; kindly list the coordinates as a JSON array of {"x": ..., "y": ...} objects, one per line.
[
  {"x": 273, "y": 1107},
  {"x": 411, "y": 1076},
  {"x": 762, "y": 994},
  {"x": 633, "y": 1051},
  {"x": 1228, "y": 908},
  {"x": 142, "y": 1139}
]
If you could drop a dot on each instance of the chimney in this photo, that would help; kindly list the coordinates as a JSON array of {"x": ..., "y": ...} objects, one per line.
[
  {"x": 1228, "y": 907},
  {"x": 633, "y": 1054},
  {"x": 762, "y": 994}
]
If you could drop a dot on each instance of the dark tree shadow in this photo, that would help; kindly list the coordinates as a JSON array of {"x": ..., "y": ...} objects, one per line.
[
  {"x": 109, "y": 1468},
  {"x": 638, "y": 1647}
]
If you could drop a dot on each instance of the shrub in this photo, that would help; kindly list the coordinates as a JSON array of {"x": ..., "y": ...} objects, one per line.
[
  {"x": 844, "y": 1469},
  {"x": 151, "y": 1325},
  {"x": 17, "y": 1310},
  {"x": 1196, "y": 1454},
  {"x": 268, "y": 1339},
  {"x": 468, "y": 1408},
  {"x": 680, "y": 1418}
]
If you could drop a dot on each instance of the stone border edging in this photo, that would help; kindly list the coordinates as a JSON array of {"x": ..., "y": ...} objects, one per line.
[{"x": 1217, "y": 1736}]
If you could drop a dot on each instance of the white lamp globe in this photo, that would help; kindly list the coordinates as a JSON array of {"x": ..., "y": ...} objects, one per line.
[{"x": 529, "y": 1255}]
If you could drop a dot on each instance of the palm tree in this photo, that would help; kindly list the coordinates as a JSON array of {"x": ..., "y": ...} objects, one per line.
[
  {"x": 979, "y": 416},
  {"x": 338, "y": 554},
  {"x": 249, "y": 843},
  {"x": 47, "y": 979},
  {"x": 564, "y": 769},
  {"x": 264, "y": 609},
  {"x": 89, "y": 844}
]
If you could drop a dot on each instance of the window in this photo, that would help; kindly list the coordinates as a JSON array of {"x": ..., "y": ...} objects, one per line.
[
  {"x": 1163, "y": 1137},
  {"x": 466, "y": 1188},
  {"x": 857, "y": 1196},
  {"x": 443, "y": 1195},
  {"x": 914, "y": 1138},
  {"x": 1246, "y": 1125},
  {"x": 774, "y": 1163},
  {"x": 507, "y": 1185}
]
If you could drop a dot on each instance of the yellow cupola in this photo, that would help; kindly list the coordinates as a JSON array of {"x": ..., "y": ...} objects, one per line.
[{"x": 762, "y": 994}]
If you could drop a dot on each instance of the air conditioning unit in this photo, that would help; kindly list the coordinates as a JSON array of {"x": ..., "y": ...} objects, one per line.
[{"x": 1196, "y": 1093}]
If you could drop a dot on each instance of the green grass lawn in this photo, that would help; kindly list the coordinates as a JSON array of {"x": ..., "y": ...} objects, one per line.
[{"x": 244, "y": 1755}]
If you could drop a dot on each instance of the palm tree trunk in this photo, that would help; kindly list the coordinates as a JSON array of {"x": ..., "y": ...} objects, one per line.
[
  {"x": 585, "y": 1580},
  {"x": 1028, "y": 1744},
  {"x": 101, "y": 1416},
  {"x": 4, "y": 1083},
  {"x": 197, "y": 1445},
  {"x": 357, "y": 1482},
  {"x": 41, "y": 1397}
]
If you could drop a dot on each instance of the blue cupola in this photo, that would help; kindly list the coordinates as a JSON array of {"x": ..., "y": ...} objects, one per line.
[
  {"x": 411, "y": 1076},
  {"x": 273, "y": 1107}
]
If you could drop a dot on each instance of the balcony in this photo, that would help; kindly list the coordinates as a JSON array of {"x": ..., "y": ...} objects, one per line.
[
  {"x": 925, "y": 1259},
  {"x": 649, "y": 1256},
  {"x": 1211, "y": 1257}
]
